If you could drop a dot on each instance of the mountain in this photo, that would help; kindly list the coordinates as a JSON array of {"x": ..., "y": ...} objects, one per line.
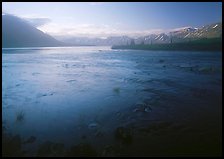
[
  {"x": 153, "y": 38},
  {"x": 177, "y": 36},
  {"x": 206, "y": 38},
  {"x": 17, "y": 32},
  {"x": 112, "y": 40},
  {"x": 187, "y": 34},
  {"x": 183, "y": 35}
]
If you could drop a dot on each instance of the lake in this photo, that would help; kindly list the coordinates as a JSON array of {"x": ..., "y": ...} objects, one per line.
[{"x": 80, "y": 101}]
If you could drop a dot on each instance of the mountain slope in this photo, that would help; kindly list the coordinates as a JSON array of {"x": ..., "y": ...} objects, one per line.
[
  {"x": 208, "y": 31},
  {"x": 178, "y": 36},
  {"x": 17, "y": 32}
]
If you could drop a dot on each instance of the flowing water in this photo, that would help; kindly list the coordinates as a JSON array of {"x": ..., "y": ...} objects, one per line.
[{"x": 167, "y": 102}]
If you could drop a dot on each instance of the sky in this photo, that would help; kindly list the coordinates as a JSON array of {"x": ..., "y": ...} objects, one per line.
[{"x": 103, "y": 19}]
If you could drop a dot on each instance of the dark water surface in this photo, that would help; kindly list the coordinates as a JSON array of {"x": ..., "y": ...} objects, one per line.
[{"x": 94, "y": 101}]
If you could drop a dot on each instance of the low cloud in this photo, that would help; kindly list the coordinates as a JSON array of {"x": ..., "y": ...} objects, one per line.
[
  {"x": 181, "y": 28},
  {"x": 91, "y": 30},
  {"x": 36, "y": 22},
  {"x": 88, "y": 30},
  {"x": 33, "y": 19}
]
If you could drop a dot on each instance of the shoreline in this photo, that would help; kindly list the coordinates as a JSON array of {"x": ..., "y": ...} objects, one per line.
[{"x": 214, "y": 44}]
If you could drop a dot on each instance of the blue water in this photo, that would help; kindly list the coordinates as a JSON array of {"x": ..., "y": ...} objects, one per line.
[{"x": 70, "y": 92}]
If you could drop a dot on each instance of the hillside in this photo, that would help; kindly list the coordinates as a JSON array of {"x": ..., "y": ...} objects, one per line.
[
  {"x": 16, "y": 32},
  {"x": 212, "y": 44}
]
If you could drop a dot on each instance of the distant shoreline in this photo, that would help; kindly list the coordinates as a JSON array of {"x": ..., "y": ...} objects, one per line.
[
  {"x": 198, "y": 45},
  {"x": 22, "y": 47}
]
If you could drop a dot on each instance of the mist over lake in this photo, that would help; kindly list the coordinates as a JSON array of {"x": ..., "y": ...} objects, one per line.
[{"x": 112, "y": 102}]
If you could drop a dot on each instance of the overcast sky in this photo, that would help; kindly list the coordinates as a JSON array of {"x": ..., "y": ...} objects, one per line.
[{"x": 104, "y": 19}]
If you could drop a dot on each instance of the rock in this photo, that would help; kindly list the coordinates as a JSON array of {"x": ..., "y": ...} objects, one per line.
[
  {"x": 136, "y": 110},
  {"x": 45, "y": 149},
  {"x": 51, "y": 149},
  {"x": 83, "y": 137},
  {"x": 118, "y": 114},
  {"x": 35, "y": 73},
  {"x": 200, "y": 93},
  {"x": 71, "y": 80},
  {"x": 143, "y": 107},
  {"x": 16, "y": 143},
  {"x": 111, "y": 151},
  {"x": 116, "y": 90},
  {"x": 82, "y": 150},
  {"x": 157, "y": 127},
  {"x": 99, "y": 134},
  {"x": 11, "y": 146},
  {"x": 93, "y": 125},
  {"x": 161, "y": 61},
  {"x": 148, "y": 109},
  {"x": 123, "y": 134},
  {"x": 207, "y": 70},
  {"x": 57, "y": 149},
  {"x": 31, "y": 139},
  {"x": 20, "y": 116}
]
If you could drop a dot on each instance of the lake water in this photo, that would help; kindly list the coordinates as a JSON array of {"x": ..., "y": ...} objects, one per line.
[{"x": 168, "y": 103}]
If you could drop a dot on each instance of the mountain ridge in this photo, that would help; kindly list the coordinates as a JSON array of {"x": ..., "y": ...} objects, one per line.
[
  {"x": 16, "y": 32},
  {"x": 181, "y": 35}
]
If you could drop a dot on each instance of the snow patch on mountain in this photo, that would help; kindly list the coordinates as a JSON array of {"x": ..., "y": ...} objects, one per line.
[{"x": 215, "y": 26}]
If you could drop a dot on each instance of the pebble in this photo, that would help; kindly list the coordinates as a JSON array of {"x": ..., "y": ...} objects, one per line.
[{"x": 93, "y": 125}]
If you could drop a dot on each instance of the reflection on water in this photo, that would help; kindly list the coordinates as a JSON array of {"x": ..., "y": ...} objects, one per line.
[{"x": 94, "y": 101}]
